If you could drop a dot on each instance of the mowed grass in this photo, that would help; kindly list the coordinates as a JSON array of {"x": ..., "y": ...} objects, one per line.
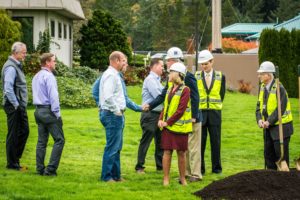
[{"x": 80, "y": 166}]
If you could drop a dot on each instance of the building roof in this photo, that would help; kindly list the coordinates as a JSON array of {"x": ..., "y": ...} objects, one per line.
[
  {"x": 288, "y": 25},
  {"x": 69, "y": 8},
  {"x": 245, "y": 28}
]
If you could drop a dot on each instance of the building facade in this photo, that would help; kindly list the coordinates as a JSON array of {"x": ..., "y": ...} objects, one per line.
[{"x": 55, "y": 15}]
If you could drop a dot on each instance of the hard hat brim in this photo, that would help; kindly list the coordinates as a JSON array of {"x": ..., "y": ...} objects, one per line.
[{"x": 203, "y": 61}]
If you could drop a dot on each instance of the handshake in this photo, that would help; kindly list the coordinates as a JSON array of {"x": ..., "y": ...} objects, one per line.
[{"x": 145, "y": 107}]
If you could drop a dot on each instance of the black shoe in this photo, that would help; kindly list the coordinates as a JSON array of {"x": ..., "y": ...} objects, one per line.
[
  {"x": 47, "y": 173},
  {"x": 217, "y": 171}
]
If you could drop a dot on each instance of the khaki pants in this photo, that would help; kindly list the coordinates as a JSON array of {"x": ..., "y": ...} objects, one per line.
[{"x": 193, "y": 155}]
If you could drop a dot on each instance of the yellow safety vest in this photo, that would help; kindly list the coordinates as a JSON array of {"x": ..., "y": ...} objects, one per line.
[
  {"x": 212, "y": 100},
  {"x": 184, "y": 124},
  {"x": 272, "y": 104}
]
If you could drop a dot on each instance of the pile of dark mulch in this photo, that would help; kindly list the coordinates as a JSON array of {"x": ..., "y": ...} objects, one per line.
[{"x": 256, "y": 184}]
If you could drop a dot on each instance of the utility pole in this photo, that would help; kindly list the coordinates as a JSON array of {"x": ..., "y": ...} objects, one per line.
[
  {"x": 216, "y": 26},
  {"x": 197, "y": 32}
]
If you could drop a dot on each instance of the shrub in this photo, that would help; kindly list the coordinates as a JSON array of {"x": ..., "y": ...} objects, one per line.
[
  {"x": 32, "y": 64},
  {"x": 137, "y": 60},
  {"x": 245, "y": 87},
  {"x": 100, "y": 36},
  {"x": 73, "y": 92},
  {"x": 86, "y": 74},
  {"x": 233, "y": 45},
  {"x": 10, "y": 32}
]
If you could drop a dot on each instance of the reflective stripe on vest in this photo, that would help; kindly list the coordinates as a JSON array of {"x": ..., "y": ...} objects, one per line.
[
  {"x": 213, "y": 99},
  {"x": 272, "y": 104},
  {"x": 184, "y": 124}
]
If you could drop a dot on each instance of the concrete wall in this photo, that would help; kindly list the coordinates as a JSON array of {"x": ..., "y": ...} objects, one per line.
[{"x": 235, "y": 67}]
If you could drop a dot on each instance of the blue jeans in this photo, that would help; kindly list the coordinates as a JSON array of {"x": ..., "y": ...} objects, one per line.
[{"x": 113, "y": 124}]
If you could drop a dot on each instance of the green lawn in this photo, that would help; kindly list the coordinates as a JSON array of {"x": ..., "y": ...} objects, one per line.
[{"x": 80, "y": 167}]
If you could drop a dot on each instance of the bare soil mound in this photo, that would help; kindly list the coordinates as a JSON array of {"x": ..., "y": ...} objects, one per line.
[{"x": 255, "y": 184}]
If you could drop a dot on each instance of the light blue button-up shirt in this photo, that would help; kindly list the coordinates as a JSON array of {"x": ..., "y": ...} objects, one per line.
[
  {"x": 151, "y": 89},
  {"x": 44, "y": 90}
]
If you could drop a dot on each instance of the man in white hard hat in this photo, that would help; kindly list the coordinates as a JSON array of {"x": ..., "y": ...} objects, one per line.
[
  {"x": 211, "y": 85},
  {"x": 175, "y": 55},
  {"x": 267, "y": 115}
]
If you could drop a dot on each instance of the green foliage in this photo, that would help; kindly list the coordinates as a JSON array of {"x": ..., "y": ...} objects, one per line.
[
  {"x": 32, "y": 64},
  {"x": 269, "y": 46},
  {"x": 285, "y": 58},
  {"x": 283, "y": 49},
  {"x": 9, "y": 33},
  {"x": 74, "y": 93},
  {"x": 44, "y": 42},
  {"x": 100, "y": 36},
  {"x": 85, "y": 74}
]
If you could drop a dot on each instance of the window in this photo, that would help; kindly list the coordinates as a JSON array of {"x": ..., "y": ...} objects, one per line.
[
  {"x": 59, "y": 30},
  {"x": 52, "y": 26},
  {"x": 70, "y": 32},
  {"x": 27, "y": 30},
  {"x": 65, "y": 31}
]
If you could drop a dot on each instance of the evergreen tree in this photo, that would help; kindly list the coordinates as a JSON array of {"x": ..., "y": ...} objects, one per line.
[
  {"x": 269, "y": 46},
  {"x": 285, "y": 58},
  {"x": 286, "y": 10},
  {"x": 100, "y": 36},
  {"x": 10, "y": 32},
  {"x": 295, "y": 61},
  {"x": 44, "y": 42}
]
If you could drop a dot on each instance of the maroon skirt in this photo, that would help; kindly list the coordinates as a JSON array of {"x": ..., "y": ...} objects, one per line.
[{"x": 174, "y": 141}]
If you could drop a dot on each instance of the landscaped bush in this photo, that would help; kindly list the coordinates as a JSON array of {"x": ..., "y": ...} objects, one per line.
[
  {"x": 245, "y": 87},
  {"x": 86, "y": 74},
  {"x": 10, "y": 32},
  {"x": 138, "y": 60},
  {"x": 73, "y": 92}
]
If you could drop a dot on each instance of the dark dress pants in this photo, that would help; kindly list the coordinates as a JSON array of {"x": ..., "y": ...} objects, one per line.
[
  {"x": 215, "y": 145},
  {"x": 18, "y": 131},
  {"x": 150, "y": 129},
  {"x": 272, "y": 150},
  {"x": 48, "y": 123}
]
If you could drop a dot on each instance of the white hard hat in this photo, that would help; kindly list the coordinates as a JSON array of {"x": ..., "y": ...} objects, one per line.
[
  {"x": 204, "y": 56},
  {"x": 178, "y": 67},
  {"x": 174, "y": 52},
  {"x": 266, "y": 66}
]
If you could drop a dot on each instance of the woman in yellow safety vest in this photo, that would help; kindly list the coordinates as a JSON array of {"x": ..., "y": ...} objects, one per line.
[{"x": 176, "y": 122}]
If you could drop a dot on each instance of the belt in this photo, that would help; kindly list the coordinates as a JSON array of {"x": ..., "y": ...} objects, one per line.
[
  {"x": 122, "y": 111},
  {"x": 154, "y": 111},
  {"x": 43, "y": 106}
]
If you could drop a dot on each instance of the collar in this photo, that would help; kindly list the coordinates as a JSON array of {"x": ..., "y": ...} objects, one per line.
[
  {"x": 210, "y": 73},
  {"x": 268, "y": 86},
  {"x": 113, "y": 69},
  {"x": 14, "y": 60},
  {"x": 155, "y": 75},
  {"x": 45, "y": 68}
]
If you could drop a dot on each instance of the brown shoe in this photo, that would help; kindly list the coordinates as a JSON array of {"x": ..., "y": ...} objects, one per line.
[
  {"x": 140, "y": 171},
  {"x": 194, "y": 179},
  {"x": 120, "y": 180}
]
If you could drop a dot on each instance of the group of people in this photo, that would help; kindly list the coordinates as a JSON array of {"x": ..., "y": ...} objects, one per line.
[
  {"x": 47, "y": 111},
  {"x": 179, "y": 116}
]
